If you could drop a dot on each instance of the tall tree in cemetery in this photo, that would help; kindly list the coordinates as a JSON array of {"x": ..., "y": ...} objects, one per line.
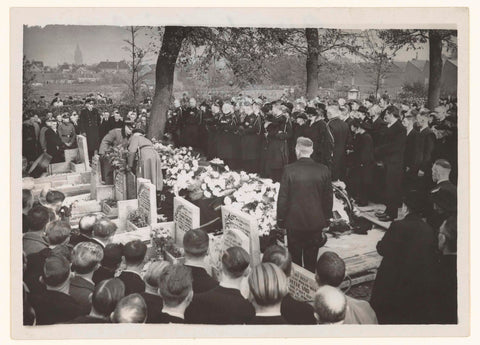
[
  {"x": 135, "y": 63},
  {"x": 438, "y": 40}
]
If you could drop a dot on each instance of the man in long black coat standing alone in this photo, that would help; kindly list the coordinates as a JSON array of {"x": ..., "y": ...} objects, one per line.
[
  {"x": 304, "y": 205},
  {"x": 340, "y": 133},
  {"x": 391, "y": 153},
  {"x": 88, "y": 124}
]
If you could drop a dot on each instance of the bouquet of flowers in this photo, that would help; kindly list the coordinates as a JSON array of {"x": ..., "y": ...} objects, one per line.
[
  {"x": 111, "y": 202},
  {"x": 138, "y": 218},
  {"x": 117, "y": 156}
]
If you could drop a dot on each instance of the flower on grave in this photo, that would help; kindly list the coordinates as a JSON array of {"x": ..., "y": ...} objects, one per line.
[{"x": 138, "y": 218}]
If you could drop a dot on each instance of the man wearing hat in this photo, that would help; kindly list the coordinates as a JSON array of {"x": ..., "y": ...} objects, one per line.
[
  {"x": 362, "y": 162},
  {"x": 317, "y": 131},
  {"x": 304, "y": 205},
  {"x": 88, "y": 126}
]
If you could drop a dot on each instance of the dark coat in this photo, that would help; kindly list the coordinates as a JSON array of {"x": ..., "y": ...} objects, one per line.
[
  {"x": 154, "y": 306},
  {"x": 322, "y": 142},
  {"x": 219, "y": 306},
  {"x": 29, "y": 142},
  {"x": 225, "y": 136},
  {"x": 52, "y": 307},
  {"x": 305, "y": 199},
  {"x": 377, "y": 129},
  {"x": 202, "y": 282},
  {"x": 54, "y": 145},
  {"x": 297, "y": 312},
  {"x": 249, "y": 133},
  {"x": 426, "y": 147},
  {"x": 403, "y": 287},
  {"x": 115, "y": 124},
  {"x": 189, "y": 125},
  {"x": 88, "y": 123},
  {"x": 88, "y": 319},
  {"x": 413, "y": 154},
  {"x": 103, "y": 128},
  {"x": 276, "y": 145},
  {"x": 340, "y": 133},
  {"x": 167, "y": 318},
  {"x": 80, "y": 290},
  {"x": 102, "y": 273},
  {"x": 133, "y": 282},
  {"x": 363, "y": 150},
  {"x": 392, "y": 150},
  {"x": 268, "y": 320}
]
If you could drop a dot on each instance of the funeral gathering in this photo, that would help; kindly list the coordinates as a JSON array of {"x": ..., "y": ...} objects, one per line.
[{"x": 239, "y": 176}]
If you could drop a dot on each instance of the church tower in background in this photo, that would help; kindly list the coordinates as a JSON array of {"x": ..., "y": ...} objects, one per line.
[{"x": 78, "y": 56}]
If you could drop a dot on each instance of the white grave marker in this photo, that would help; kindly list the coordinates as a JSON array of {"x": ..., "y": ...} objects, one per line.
[
  {"x": 95, "y": 180},
  {"x": 301, "y": 284},
  {"x": 147, "y": 200},
  {"x": 186, "y": 217},
  {"x": 83, "y": 151},
  {"x": 241, "y": 222},
  {"x": 120, "y": 182}
]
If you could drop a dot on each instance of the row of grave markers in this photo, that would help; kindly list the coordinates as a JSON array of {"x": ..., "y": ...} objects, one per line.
[{"x": 131, "y": 193}]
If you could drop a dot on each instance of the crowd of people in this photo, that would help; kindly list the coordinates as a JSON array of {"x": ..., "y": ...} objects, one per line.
[{"x": 401, "y": 155}]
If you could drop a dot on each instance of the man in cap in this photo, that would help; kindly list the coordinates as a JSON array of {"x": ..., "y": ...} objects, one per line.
[
  {"x": 88, "y": 124},
  {"x": 304, "y": 205}
]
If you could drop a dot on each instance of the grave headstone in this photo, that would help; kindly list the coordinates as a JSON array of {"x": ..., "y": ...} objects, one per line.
[
  {"x": 235, "y": 238},
  {"x": 301, "y": 284},
  {"x": 147, "y": 201},
  {"x": 131, "y": 183},
  {"x": 120, "y": 182},
  {"x": 239, "y": 221},
  {"x": 186, "y": 217},
  {"x": 83, "y": 151},
  {"x": 124, "y": 209},
  {"x": 105, "y": 192},
  {"x": 71, "y": 155},
  {"x": 96, "y": 176}
]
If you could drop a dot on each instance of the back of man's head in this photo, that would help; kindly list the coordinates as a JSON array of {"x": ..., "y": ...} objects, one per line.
[
  {"x": 57, "y": 232},
  {"x": 112, "y": 255},
  {"x": 104, "y": 228},
  {"x": 54, "y": 197},
  {"x": 86, "y": 257},
  {"x": 279, "y": 256},
  {"x": 304, "y": 147},
  {"x": 235, "y": 261},
  {"x": 85, "y": 225},
  {"x": 330, "y": 305},
  {"x": 134, "y": 252},
  {"x": 27, "y": 199},
  {"x": 107, "y": 294},
  {"x": 443, "y": 165},
  {"x": 175, "y": 284},
  {"x": 38, "y": 217},
  {"x": 56, "y": 270},
  {"x": 330, "y": 269},
  {"x": 130, "y": 309},
  {"x": 195, "y": 243},
  {"x": 391, "y": 109}
]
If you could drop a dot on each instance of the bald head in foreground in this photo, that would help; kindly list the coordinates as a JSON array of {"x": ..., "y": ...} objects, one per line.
[{"x": 330, "y": 305}]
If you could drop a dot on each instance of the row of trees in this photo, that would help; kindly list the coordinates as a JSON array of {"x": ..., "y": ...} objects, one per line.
[{"x": 245, "y": 51}]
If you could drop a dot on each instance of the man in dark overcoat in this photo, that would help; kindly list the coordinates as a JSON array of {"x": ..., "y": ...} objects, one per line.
[
  {"x": 304, "y": 205},
  {"x": 88, "y": 124}
]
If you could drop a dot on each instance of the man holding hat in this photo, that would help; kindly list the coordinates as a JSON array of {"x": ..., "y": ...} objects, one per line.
[{"x": 304, "y": 205}]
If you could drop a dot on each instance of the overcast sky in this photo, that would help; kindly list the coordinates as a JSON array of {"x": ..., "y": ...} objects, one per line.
[{"x": 55, "y": 44}]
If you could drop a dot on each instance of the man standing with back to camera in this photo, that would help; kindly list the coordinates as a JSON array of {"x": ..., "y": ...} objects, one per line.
[{"x": 304, "y": 205}]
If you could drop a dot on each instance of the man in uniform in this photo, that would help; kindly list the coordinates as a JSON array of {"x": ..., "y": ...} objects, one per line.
[{"x": 88, "y": 126}]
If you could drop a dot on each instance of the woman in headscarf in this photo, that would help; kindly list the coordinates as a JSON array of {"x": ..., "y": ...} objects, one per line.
[
  {"x": 115, "y": 137},
  {"x": 148, "y": 163}
]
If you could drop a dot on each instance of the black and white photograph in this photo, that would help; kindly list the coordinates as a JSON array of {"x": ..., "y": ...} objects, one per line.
[{"x": 290, "y": 177}]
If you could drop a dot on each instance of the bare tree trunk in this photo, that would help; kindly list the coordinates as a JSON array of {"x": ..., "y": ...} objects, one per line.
[
  {"x": 164, "y": 74},
  {"x": 436, "y": 64},
  {"x": 134, "y": 87},
  {"x": 313, "y": 47}
]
